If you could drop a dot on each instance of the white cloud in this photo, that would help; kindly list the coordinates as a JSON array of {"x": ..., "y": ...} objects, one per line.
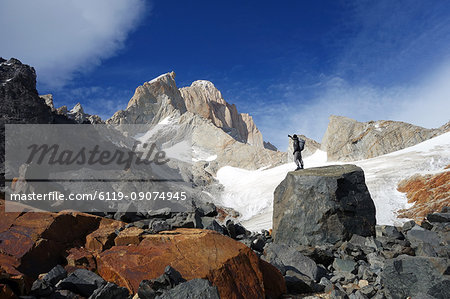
[
  {"x": 60, "y": 38},
  {"x": 425, "y": 104}
]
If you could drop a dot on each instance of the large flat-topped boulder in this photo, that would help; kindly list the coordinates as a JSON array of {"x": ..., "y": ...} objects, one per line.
[{"x": 322, "y": 205}]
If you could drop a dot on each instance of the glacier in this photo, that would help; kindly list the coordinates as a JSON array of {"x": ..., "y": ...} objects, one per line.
[{"x": 250, "y": 192}]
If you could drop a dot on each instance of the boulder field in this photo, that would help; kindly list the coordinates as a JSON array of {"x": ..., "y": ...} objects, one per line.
[
  {"x": 34, "y": 243},
  {"x": 326, "y": 243}
]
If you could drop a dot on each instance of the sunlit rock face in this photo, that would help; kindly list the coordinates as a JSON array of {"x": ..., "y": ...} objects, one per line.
[
  {"x": 152, "y": 102},
  {"x": 349, "y": 140},
  {"x": 204, "y": 99},
  {"x": 219, "y": 134}
]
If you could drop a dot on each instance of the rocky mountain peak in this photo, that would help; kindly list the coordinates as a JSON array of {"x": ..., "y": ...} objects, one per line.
[
  {"x": 209, "y": 90},
  {"x": 48, "y": 98},
  {"x": 160, "y": 98},
  {"x": 152, "y": 102},
  {"x": 204, "y": 99},
  {"x": 77, "y": 109},
  {"x": 13, "y": 70}
]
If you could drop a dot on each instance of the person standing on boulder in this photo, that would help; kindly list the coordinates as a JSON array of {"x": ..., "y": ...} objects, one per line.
[{"x": 299, "y": 145}]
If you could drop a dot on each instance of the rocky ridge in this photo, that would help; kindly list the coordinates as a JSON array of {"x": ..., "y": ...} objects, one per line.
[
  {"x": 200, "y": 114},
  {"x": 78, "y": 115},
  {"x": 349, "y": 140}
]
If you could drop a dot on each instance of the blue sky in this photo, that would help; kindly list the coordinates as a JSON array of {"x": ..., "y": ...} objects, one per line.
[{"x": 290, "y": 64}]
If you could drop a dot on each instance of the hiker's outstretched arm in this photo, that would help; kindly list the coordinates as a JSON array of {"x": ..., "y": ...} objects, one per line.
[{"x": 290, "y": 136}]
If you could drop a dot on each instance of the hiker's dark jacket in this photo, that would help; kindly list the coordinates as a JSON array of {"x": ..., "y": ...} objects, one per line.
[{"x": 296, "y": 145}]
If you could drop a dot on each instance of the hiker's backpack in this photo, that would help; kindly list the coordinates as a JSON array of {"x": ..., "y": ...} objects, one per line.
[{"x": 301, "y": 144}]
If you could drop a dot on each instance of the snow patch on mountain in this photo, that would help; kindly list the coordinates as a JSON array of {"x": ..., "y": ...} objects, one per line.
[
  {"x": 251, "y": 192},
  {"x": 162, "y": 125},
  {"x": 199, "y": 154}
]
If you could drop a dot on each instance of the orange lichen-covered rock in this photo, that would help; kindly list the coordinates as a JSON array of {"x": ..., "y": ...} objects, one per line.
[
  {"x": 273, "y": 280},
  {"x": 38, "y": 240},
  {"x": 130, "y": 235},
  {"x": 103, "y": 238},
  {"x": 429, "y": 193},
  {"x": 81, "y": 258},
  {"x": 10, "y": 274},
  {"x": 230, "y": 265}
]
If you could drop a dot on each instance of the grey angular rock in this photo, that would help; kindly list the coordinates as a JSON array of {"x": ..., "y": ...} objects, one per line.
[
  {"x": 409, "y": 276},
  {"x": 425, "y": 249},
  {"x": 298, "y": 283},
  {"x": 185, "y": 220},
  {"x": 207, "y": 209},
  {"x": 375, "y": 260},
  {"x": 391, "y": 232},
  {"x": 439, "y": 217},
  {"x": 236, "y": 229},
  {"x": 322, "y": 205},
  {"x": 417, "y": 236},
  {"x": 285, "y": 257},
  {"x": 41, "y": 288},
  {"x": 65, "y": 294},
  {"x": 343, "y": 277},
  {"x": 328, "y": 285},
  {"x": 192, "y": 289},
  {"x": 159, "y": 226},
  {"x": 338, "y": 294},
  {"x": 341, "y": 265},
  {"x": 211, "y": 224},
  {"x": 408, "y": 225},
  {"x": 110, "y": 291},
  {"x": 82, "y": 282},
  {"x": 161, "y": 213},
  {"x": 144, "y": 224},
  {"x": 56, "y": 274},
  {"x": 150, "y": 289},
  {"x": 358, "y": 295},
  {"x": 368, "y": 290}
]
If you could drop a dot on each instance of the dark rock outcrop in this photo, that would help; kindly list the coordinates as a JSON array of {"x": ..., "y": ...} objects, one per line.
[
  {"x": 322, "y": 205},
  {"x": 20, "y": 102}
]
